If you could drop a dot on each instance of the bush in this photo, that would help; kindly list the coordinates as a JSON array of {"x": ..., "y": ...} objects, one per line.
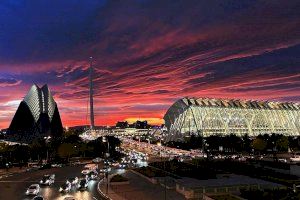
[
  {"x": 150, "y": 172},
  {"x": 270, "y": 194}
]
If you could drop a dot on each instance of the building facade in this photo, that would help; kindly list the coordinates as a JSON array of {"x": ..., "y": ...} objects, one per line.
[
  {"x": 36, "y": 116},
  {"x": 207, "y": 116}
]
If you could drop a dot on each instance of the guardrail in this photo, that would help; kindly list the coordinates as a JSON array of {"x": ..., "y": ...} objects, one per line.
[{"x": 102, "y": 193}]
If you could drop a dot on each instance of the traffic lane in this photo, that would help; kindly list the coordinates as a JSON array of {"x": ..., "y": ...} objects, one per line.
[{"x": 14, "y": 187}]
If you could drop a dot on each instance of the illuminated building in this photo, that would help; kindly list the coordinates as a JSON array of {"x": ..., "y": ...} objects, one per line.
[
  {"x": 207, "y": 116},
  {"x": 36, "y": 116}
]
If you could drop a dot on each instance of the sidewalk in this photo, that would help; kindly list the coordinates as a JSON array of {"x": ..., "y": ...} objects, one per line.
[
  {"x": 10, "y": 171},
  {"x": 110, "y": 193},
  {"x": 141, "y": 189}
]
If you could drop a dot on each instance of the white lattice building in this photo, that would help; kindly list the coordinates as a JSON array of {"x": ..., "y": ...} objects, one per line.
[{"x": 207, "y": 116}]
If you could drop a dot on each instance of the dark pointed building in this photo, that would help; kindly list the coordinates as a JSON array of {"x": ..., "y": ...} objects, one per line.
[{"x": 37, "y": 116}]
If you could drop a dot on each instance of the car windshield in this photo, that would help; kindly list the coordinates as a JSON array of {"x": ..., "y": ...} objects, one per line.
[
  {"x": 46, "y": 178},
  {"x": 32, "y": 187},
  {"x": 82, "y": 182},
  {"x": 65, "y": 185}
]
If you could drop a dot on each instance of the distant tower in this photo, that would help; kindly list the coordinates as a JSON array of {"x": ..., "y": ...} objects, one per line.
[{"x": 91, "y": 96}]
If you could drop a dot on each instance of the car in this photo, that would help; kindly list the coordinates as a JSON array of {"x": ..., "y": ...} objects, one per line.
[
  {"x": 283, "y": 160},
  {"x": 47, "y": 179},
  {"x": 88, "y": 168},
  {"x": 295, "y": 158},
  {"x": 77, "y": 162},
  {"x": 105, "y": 170},
  {"x": 56, "y": 165},
  {"x": 122, "y": 165},
  {"x": 66, "y": 187},
  {"x": 38, "y": 198},
  {"x": 33, "y": 189},
  {"x": 115, "y": 164},
  {"x": 97, "y": 160},
  {"x": 82, "y": 185},
  {"x": 73, "y": 180},
  {"x": 69, "y": 198},
  {"x": 45, "y": 166},
  {"x": 92, "y": 175},
  {"x": 85, "y": 171}
]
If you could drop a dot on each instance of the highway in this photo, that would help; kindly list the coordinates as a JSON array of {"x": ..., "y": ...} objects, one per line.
[{"x": 14, "y": 187}]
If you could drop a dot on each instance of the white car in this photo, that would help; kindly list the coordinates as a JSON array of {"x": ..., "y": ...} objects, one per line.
[
  {"x": 83, "y": 184},
  {"x": 34, "y": 189},
  {"x": 73, "y": 181},
  {"x": 283, "y": 160},
  {"x": 295, "y": 159},
  {"x": 97, "y": 160},
  {"x": 56, "y": 165},
  {"x": 85, "y": 171},
  {"x": 47, "y": 179},
  {"x": 105, "y": 170},
  {"x": 69, "y": 198}
]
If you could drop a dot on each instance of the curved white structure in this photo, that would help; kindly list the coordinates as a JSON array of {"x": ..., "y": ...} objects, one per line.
[
  {"x": 207, "y": 116},
  {"x": 40, "y": 100}
]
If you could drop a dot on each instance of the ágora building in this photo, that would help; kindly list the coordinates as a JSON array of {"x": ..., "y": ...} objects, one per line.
[{"x": 207, "y": 116}]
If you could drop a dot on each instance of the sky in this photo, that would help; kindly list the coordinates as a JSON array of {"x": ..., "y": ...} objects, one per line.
[{"x": 147, "y": 54}]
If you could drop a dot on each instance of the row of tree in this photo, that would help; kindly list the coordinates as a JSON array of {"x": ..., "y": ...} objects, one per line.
[
  {"x": 57, "y": 149},
  {"x": 232, "y": 143}
]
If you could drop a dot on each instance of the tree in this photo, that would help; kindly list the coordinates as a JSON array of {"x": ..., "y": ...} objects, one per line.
[
  {"x": 259, "y": 144},
  {"x": 246, "y": 143},
  {"x": 282, "y": 144},
  {"x": 65, "y": 150},
  {"x": 3, "y": 147}
]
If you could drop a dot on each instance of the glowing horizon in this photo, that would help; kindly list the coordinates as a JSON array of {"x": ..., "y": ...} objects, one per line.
[{"x": 147, "y": 54}]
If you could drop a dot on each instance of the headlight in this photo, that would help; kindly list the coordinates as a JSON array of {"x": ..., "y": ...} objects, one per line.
[
  {"x": 60, "y": 189},
  {"x": 41, "y": 181},
  {"x": 27, "y": 192},
  {"x": 47, "y": 181}
]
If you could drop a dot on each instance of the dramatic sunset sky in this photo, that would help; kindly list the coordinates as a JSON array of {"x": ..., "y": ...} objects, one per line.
[{"x": 147, "y": 54}]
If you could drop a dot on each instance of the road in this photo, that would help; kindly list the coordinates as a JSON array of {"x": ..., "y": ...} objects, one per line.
[{"x": 14, "y": 187}]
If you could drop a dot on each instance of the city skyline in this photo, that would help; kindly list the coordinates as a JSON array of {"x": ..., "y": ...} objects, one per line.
[{"x": 147, "y": 54}]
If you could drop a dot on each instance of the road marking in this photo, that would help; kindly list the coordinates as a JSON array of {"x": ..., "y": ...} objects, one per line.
[
  {"x": 9, "y": 181},
  {"x": 18, "y": 181}
]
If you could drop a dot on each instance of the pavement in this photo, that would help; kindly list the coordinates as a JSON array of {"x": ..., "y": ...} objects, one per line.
[
  {"x": 225, "y": 180},
  {"x": 141, "y": 189},
  {"x": 10, "y": 171},
  {"x": 107, "y": 191},
  {"x": 14, "y": 186}
]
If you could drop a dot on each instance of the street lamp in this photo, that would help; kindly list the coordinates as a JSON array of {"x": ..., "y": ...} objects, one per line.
[
  {"x": 47, "y": 139},
  {"x": 160, "y": 148},
  {"x": 105, "y": 140}
]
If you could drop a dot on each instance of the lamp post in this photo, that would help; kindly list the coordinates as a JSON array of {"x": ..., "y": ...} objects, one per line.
[
  {"x": 160, "y": 148},
  {"x": 105, "y": 140},
  {"x": 47, "y": 139}
]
